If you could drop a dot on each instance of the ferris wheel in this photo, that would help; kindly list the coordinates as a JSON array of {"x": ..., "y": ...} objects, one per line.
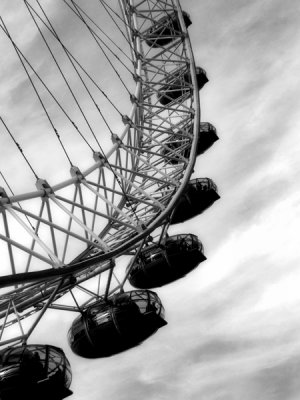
[{"x": 126, "y": 125}]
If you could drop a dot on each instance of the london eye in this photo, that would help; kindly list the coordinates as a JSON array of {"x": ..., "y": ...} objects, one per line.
[{"x": 103, "y": 126}]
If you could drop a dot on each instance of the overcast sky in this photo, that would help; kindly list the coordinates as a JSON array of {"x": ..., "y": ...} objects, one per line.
[{"x": 233, "y": 324}]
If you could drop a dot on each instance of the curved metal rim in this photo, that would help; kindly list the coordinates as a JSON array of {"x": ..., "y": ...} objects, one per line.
[{"x": 69, "y": 269}]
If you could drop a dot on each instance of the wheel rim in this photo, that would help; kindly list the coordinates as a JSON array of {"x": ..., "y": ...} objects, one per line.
[{"x": 152, "y": 185}]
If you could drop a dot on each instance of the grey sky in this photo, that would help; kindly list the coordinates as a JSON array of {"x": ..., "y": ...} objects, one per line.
[{"x": 233, "y": 322}]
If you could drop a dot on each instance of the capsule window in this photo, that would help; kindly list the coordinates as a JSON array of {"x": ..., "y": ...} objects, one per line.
[{"x": 102, "y": 318}]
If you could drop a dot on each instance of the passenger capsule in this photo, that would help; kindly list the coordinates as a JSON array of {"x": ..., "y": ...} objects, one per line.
[
  {"x": 200, "y": 194},
  {"x": 180, "y": 84},
  {"x": 207, "y": 137},
  {"x": 166, "y": 29},
  {"x": 180, "y": 142},
  {"x": 158, "y": 265},
  {"x": 108, "y": 327},
  {"x": 34, "y": 372}
]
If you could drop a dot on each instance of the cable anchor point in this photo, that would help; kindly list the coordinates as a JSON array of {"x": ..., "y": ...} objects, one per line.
[
  {"x": 76, "y": 173},
  {"x": 42, "y": 184}
]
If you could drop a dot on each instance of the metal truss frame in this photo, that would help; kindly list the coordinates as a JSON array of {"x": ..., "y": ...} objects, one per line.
[{"x": 84, "y": 225}]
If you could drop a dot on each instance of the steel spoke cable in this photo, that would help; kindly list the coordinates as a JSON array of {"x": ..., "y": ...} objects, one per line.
[
  {"x": 73, "y": 61},
  {"x": 19, "y": 148},
  {"x": 53, "y": 32},
  {"x": 106, "y": 35},
  {"x": 48, "y": 90},
  {"x": 4, "y": 28},
  {"x": 78, "y": 13},
  {"x": 114, "y": 21},
  {"x": 63, "y": 76},
  {"x": 56, "y": 101}
]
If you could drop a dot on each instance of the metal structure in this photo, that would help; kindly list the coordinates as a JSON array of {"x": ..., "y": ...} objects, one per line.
[
  {"x": 73, "y": 244},
  {"x": 109, "y": 209}
]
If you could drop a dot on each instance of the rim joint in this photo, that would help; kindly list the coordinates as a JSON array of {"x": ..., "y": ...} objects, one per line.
[
  {"x": 99, "y": 157},
  {"x": 76, "y": 173},
  {"x": 4, "y": 199},
  {"x": 126, "y": 120},
  {"x": 42, "y": 184},
  {"x": 115, "y": 138}
]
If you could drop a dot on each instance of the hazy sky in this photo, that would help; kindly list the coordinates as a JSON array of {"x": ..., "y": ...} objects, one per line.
[{"x": 233, "y": 324}]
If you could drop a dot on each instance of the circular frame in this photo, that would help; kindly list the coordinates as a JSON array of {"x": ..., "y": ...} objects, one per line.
[{"x": 149, "y": 184}]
